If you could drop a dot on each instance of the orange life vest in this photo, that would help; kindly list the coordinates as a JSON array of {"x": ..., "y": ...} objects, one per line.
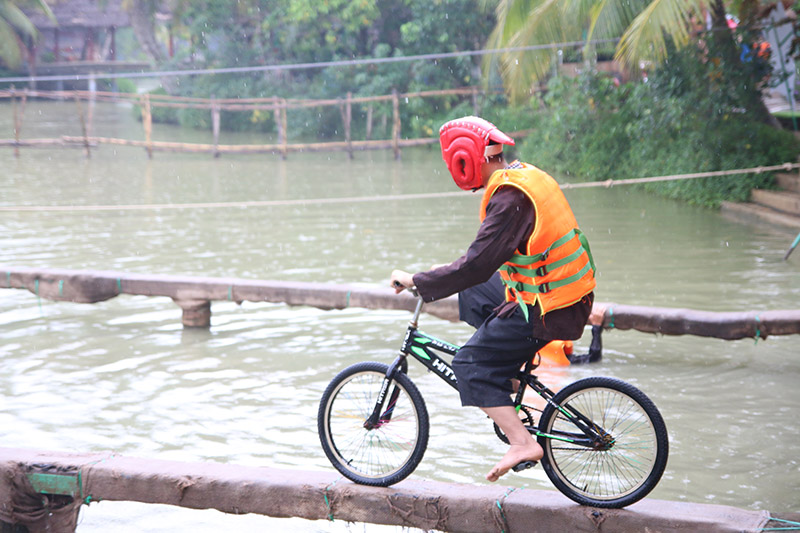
[{"x": 557, "y": 269}]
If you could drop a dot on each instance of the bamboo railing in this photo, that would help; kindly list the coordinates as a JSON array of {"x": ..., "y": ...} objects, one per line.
[
  {"x": 215, "y": 106},
  {"x": 195, "y": 294}
]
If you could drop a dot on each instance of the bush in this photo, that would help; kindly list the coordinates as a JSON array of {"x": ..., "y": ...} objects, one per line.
[{"x": 681, "y": 121}]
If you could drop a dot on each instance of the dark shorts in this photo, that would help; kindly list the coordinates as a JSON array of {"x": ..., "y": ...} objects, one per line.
[{"x": 488, "y": 361}]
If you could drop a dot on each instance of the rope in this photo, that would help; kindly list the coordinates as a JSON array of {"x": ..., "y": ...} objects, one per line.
[
  {"x": 694, "y": 175},
  {"x": 327, "y": 501},
  {"x": 795, "y": 526},
  {"x": 36, "y": 292},
  {"x": 758, "y": 329},
  {"x": 301, "y": 66},
  {"x": 388, "y": 198},
  {"x": 499, "y": 504}
]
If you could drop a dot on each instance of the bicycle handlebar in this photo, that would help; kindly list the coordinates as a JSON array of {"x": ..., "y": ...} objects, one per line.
[{"x": 412, "y": 290}]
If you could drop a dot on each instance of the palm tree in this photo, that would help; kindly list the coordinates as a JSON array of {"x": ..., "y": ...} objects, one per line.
[
  {"x": 643, "y": 29},
  {"x": 16, "y": 29}
]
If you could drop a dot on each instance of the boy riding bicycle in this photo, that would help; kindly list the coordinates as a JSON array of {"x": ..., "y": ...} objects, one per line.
[{"x": 528, "y": 249}]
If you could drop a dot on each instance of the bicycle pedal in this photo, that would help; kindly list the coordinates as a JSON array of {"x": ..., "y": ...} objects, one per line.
[{"x": 524, "y": 465}]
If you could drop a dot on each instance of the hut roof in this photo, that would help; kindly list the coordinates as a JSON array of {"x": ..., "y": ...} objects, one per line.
[{"x": 81, "y": 14}]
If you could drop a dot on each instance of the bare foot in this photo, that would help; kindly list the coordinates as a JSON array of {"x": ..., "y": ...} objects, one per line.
[{"x": 516, "y": 454}]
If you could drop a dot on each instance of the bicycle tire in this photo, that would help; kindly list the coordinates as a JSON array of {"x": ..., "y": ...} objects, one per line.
[
  {"x": 381, "y": 456},
  {"x": 629, "y": 468}
]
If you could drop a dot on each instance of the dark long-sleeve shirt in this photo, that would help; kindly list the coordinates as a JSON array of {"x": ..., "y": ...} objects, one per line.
[{"x": 509, "y": 222}]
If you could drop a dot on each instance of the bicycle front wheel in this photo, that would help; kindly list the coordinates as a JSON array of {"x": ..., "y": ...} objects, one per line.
[
  {"x": 387, "y": 453},
  {"x": 626, "y": 465}
]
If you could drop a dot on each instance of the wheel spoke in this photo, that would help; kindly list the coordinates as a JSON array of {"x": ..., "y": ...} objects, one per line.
[
  {"x": 378, "y": 455},
  {"x": 615, "y": 469}
]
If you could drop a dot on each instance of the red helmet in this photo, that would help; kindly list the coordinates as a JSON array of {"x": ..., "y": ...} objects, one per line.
[{"x": 464, "y": 143}]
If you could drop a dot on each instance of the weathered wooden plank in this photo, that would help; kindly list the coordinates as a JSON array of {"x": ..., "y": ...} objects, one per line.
[
  {"x": 89, "y": 286},
  {"x": 324, "y": 495},
  {"x": 721, "y": 325}
]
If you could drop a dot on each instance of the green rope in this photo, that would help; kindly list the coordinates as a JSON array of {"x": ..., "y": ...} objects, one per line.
[
  {"x": 327, "y": 501},
  {"x": 230, "y": 292},
  {"x": 88, "y": 499},
  {"x": 795, "y": 525},
  {"x": 611, "y": 314},
  {"x": 758, "y": 330},
  {"x": 347, "y": 301},
  {"x": 8, "y": 279},
  {"x": 61, "y": 287},
  {"x": 119, "y": 285},
  {"x": 36, "y": 292},
  {"x": 500, "y": 506}
]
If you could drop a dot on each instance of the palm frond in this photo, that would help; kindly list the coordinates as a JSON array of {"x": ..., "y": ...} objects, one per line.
[
  {"x": 9, "y": 46},
  {"x": 14, "y": 16},
  {"x": 645, "y": 38}
]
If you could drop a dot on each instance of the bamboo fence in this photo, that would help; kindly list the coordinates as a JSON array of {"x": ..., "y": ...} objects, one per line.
[{"x": 215, "y": 106}]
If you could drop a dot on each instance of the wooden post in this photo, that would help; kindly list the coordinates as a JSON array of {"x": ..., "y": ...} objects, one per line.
[
  {"x": 18, "y": 116},
  {"x": 369, "y": 122},
  {"x": 396, "y": 124},
  {"x": 348, "y": 116},
  {"x": 82, "y": 118},
  {"x": 147, "y": 122},
  {"x": 31, "y": 65},
  {"x": 113, "y": 51},
  {"x": 16, "y": 121},
  {"x": 92, "y": 103},
  {"x": 196, "y": 313},
  {"x": 285, "y": 128},
  {"x": 280, "y": 124},
  {"x": 215, "y": 125}
]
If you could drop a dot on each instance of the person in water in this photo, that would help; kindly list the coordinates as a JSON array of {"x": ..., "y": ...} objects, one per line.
[{"x": 529, "y": 251}]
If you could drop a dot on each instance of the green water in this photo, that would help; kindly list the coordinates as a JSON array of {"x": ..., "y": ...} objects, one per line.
[{"x": 123, "y": 375}]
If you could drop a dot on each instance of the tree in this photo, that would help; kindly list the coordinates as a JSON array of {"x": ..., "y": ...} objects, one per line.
[
  {"x": 645, "y": 29},
  {"x": 16, "y": 29},
  {"x": 225, "y": 33},
  {"x": 142, "y": 16}
]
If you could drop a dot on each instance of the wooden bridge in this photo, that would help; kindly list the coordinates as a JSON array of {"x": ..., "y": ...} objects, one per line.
[
  {"x": 43, "y": 491},
  {"x": 195, "y": 294}
]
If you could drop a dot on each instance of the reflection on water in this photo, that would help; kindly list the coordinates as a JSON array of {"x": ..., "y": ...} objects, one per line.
[{"x": 123, "y": 375}]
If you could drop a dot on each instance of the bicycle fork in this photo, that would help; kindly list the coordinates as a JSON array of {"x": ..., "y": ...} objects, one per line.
[{"x": 381, "y": 416}]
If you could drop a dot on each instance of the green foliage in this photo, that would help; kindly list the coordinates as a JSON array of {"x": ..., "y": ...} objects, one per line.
[
  {"x": 228, "y": 33},
  {"x": 166, "y": 115},
  {"x": 16, "y": 30},
  {"x": 690, "y": 116},
  {"x": 125, "y": 85}
]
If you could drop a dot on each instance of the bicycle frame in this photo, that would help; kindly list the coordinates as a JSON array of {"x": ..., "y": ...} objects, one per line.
[{"x": 425, "y": 349}]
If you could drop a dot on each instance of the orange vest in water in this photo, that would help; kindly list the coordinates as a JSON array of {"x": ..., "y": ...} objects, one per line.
[{"x": 557, "y": 269}]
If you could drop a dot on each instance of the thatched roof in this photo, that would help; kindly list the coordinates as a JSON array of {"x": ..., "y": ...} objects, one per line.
[{"x": 80, "y": 14}]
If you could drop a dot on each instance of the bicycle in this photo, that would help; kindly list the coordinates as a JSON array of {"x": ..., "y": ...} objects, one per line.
[{"x": 605, "y": 442}]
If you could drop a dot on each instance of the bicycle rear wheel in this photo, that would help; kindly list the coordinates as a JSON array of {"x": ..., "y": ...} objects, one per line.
[
  {"x": 627, "y": 465},
  {"x": 386, "y": 454}
]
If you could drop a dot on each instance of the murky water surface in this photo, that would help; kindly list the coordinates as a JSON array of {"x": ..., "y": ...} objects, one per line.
[{"x": 124, "y": 376}]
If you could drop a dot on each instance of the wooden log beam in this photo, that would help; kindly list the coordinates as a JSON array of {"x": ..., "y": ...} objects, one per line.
[
  {"x": 720, "y": 325},
  {"x": 324, "y": 495},
  {"x": 89, "y": 286},
  {"x": 282, "y": 147}
]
